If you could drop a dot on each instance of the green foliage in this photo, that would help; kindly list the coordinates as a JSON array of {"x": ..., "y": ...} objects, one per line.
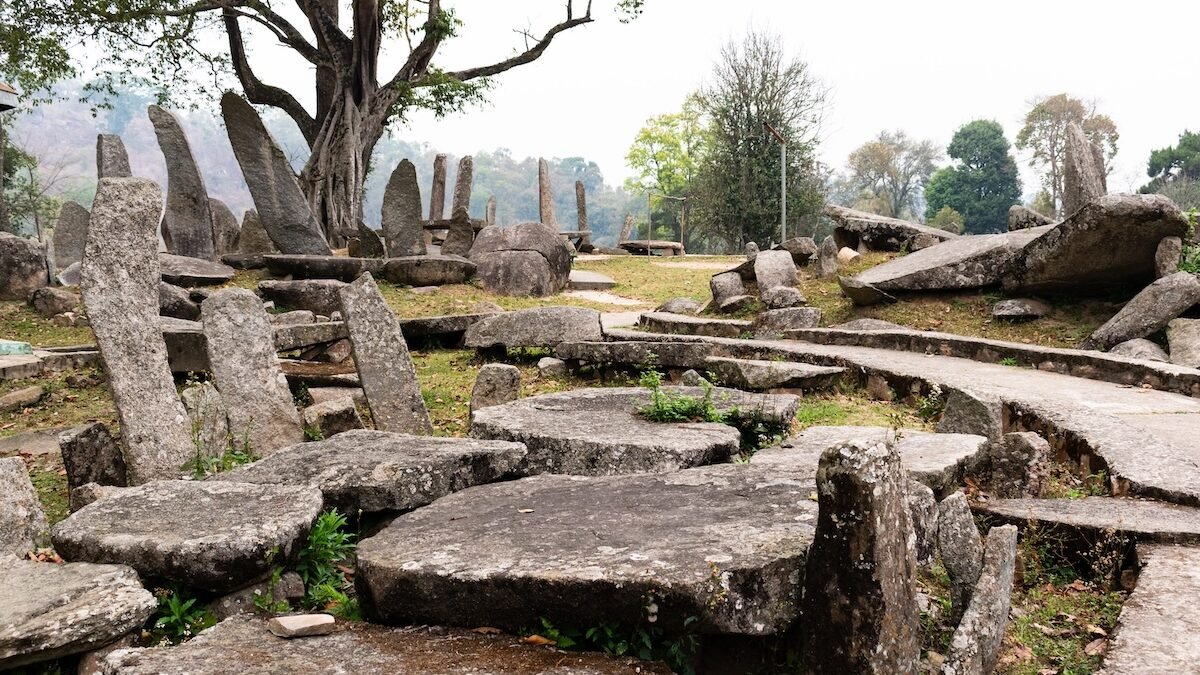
[
  {"x": 931, "y": 404},
  {"x": 666, "y": 151},
  {"x": 668, "y": 406},
  {"x": 328, "y": 544},
  {"x": 1008, "y": 361},
  {"x": 178, "y": 617},
  {"x": 889, "y": 172},
  {"x": 1176, "y": 161},
  {"x": 1044, "y": 135},
  {"x": 947, "y": 219},
  {"x": 237, "y": 453},
  {"x": 984, "y": 183},
  {"x": 646, "y": 642}
]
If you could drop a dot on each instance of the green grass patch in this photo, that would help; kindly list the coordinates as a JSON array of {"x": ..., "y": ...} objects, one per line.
[
  {"x": 51, "y": 487},
  {"x": 855, "y": 408},
  {"x": 64, "y": 405}
]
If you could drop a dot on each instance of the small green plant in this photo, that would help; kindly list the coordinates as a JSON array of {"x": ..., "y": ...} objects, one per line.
[
  {"x": 328, "y": 544},
  {"x": 313, "y": 433},
  {"x": 669, "y": 407},
  {"x": 646, "y": 642},
  {"x": 931, "y": 405},
  {"x": 178, "y": 617},
  {"x": 1008, "y": 361}
]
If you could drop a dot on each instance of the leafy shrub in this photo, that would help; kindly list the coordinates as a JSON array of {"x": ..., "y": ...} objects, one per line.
[{"x": 178, "y": 617}]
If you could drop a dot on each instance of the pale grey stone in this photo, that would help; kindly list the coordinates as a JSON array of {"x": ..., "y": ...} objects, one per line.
[
  {"x": 495, "y": 384},
  {"x": 536, "y": 327},
  {"x": 680, "y": 306},
  {"x": 774, "y": 322},
  {"x": 25, "y": 397},
  {"x": 437, "y": 193},
  {"x": 976, "y": 643},
  {"x": 331, "y": 418},
  {"x": 22, "y": 267},
  {"x": 208, "y": 420},
  {"x": 923, "y": 509},
  {"x": 1084, "y": 175},
  {"x": 1183, "y": 337},
  {"x": 725, "y": 286},
  {"x": 70, "y": 233},
  {"x": 545, "y": 196},
  {"x": 757, "y": 375},
  {"x": 91, "y": 455},
  {"x": 184, "y": 271},
  {"x": 464, "y": 179},
  {"x": 751, "y": 251},
  {"x": 49, "y": 301},
  {"x": 111, "y": 159},
  {"x": 300, "y": 625},
  {"x": 863, "y": 293},
  {"x": 548, "y": 366},
  {"x": 961, "y": 550},
  {"x": 1141, "y": 348},
  {"x": 1020, "y": 309},
  {"x": 976, "y": 261},
  {"x": 1167, "y": 256},
  {"x": 827, "y": 262},
  {"x": 1148, "y": 312},
  {"x": 187, "y": 225},
  {"x": 176, "y": 303},
  {"x": 524, "y": 259},
  {"x": 402, "y": 211},
  {"x": 862, "y": 231},
  {"x": 23, "y": 523},
  {"x": 782, "y": 297}
]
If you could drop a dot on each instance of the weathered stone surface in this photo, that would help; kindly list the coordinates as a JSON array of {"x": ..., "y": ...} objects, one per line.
[
  {"x": 783, "y": 297},
  {"x": 1149, "y": 311},
  {"x": 176, "y": 303},
  {"x": 1143, "y": 520},
  {"x": 208, "y": 421},
  {"x": 975, "y": 645},
  {"x": 548, "y": 366},
  {"x": 244, "y": 645},
  {"x": 320, "y": 296},
  {"x": 1183, "y": 337},
  {"x": 296, "y": 317},
  {"x": 496, "y": 383},
  {"x": 378, "y": 471},
  {"x": 860, "y": 230},
  {"x": 860, "y": 576},
  {"x": 583, "y": 280},
  {"x": 464, "y": 179},
  {"x": 25, "y": 397},
  {"x": 225, "y": 228},
  {"x": 22, "y": 521},
  {"x": 281, "y": 205},
  {"x": 187, "y": 225},
  {"x": 91, "y": 455},
  {"x": 70, "y": 232},
  {"x": 245, "y": 368},
  {"x": 680, "y": 306},
  {"x": 525, "y": 259},
  {"x": 754, "y": 375},
  {"x": 111, "y": 159},
  {"x": 536, "y": 327},
  {"x": 186, "y": 271},
  {"x": 428, "y": 270},
  {"x": 252, "y": 238},
  {"x": 385, "y": 368},
  {"x": 868, "y": 325},
  {"x": 331, "y": 418},
  {"x": 1167, "y": 256},
  {"x": 49, "y": 301},
  {"x": 1020, "y": 309},
  {"x": 863, "y": 293},
  {"x": 69, "y": 276},
  {"x": 506, "y": 554},
  {"x": 301, "y": 625},
  {"x": 546, "y": 196},
  {"x": 120, "y": 277},
  {"x": 976, "y": 261},
  {"x": 1017, "y": 465},
  {"x": 1140, "y": 348},
  {"x": 90, "y": 492},
  {"x": 371, "y": 245},
  {"x": 324, "y": 394},
  {"x": 22, "y": 267},
  {"x": 402, "y": 210},
  {"x": 321, "y": 266},
  {"x": 827, "y": 262},
  {"x": 682, "y": 324},
  {"x": 1022, "y": 217},
  {"x": 803, "y": 249},
  {"x": 845, "y": 256},
  {"x": 725, "y": 286},
  {"x": 923, "y": 510},
  {"x": 460, "y": 235},
  {"x": 209, "y": 535},
  {"x": 1107, "y": 243},
  {"x": 961, "y": 549},
  {"x": 437, "y": 192},
  {"x": 751, "y": 251},
  {"x": 1084, "y": 175},
  {"x": 773, "y": 322},
  {"x": 49, "y": 611}
]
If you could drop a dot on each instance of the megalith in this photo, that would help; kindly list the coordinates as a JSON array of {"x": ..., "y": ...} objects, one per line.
[
  {"x": 187, "y": 220},
  {"x": 402, "y": 230},
  {"x": 70, "y": 233},
  {"x": 545, "y": 196},
  {"x": 437, "y": 192},
  {"x": 1084, "y": 176},
  {"x": 111, "y": 159}
]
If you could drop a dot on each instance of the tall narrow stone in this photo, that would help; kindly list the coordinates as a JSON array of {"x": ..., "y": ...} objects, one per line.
[
  {"x": 23, "y": 526},
  {"x": 252, "y": 238},
  {"x": 385, "y": 368},
  {"x": 627, "y": 228},
  {"x": 225, "y": 228},
  {"x": 273, "y": 186},
  {"x": 437, "y": 194},
  {"x": 402, "y": 230},
  {"x": 1084, "y": 177},
  {"x": 245, "y": 367},
  {"x": 585, "y": 239},
  {"x": 464, "y": 181},
  {"x": 545, "y": 196},
  {"x": 111, "y": 159},
  {"x": 187, "y": 220},
  {"x": 490, "y": 214},
  {"x": 70, "y": 233},
  {"x": 859, "y": 603},
  {"x": 975, "y": 646},
  {"x": 119, "y": 278},
  {"x": 961, "y": 550}
]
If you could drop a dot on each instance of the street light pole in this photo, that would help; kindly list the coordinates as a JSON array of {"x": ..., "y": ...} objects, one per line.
[{"x": 782, "y": 181}]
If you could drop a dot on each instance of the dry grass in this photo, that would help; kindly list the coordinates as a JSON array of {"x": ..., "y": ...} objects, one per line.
[{"x": 63, "y": 405}]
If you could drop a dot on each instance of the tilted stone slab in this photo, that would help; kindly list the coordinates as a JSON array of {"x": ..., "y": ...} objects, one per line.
[
  {"x": 320, "y": 296},
  {"x": 187, "y": 218},
  {"x": 755, "y": 375},
  {"x": 725, "y": 544},
  {"x": 427, "y": 270},
  {"x": 1145, "y": 520},
  {"x": 1083, "y": 171},
  {"x": 70, "y": 233},
  {"x": 976, "y": 643},
  {"x": 637, "y": 354},
  {"x": 379, "y": 471},
  {"x": 49, "y": 611},
  {"x": 181, "y": 270},
  {"x": 1149, "y": 311},
  {"x": 22, "y": 521},
  {"x": 977, "y": 261},
  {"x": 321, "y": 266},
  {"x": 859, "y": 229},
  {"x": 536, "y": 327},
  {"x": 402, "y": 212},
  {"x": 682, "y": 324},
  {"x": 297, "y": 336},
  {"x": 214, "y": 536}
]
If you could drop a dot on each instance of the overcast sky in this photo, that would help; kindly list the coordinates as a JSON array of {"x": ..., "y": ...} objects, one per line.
[{"x": 925, "y": 67}]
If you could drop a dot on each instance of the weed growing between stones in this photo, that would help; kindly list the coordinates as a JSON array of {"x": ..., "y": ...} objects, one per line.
[
  {"x": 325, "y": 583},
  {"x": 931, "y": 405},
  {"x": 646, "y": 642},
  {"x": 178, "y": 617},
  {"x": 237, "y": 453},
  {"x": 669, "y": 407},
  {"x": 1008, "y": 361}
]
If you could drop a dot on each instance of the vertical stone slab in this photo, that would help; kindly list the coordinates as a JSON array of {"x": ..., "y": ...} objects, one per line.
[
  {"x": 252, "y": 238},
  {"x": 1084, "y": 178},
  {"x": 245, "y": 368},
  {"x": 385, "y": 368},
  {"x": 975, "y": 646},
  {"x": 70, "y": 234},
  {"x": 581, "y": 206},
  {"x": 91, "y": 455},
  {"x": 627, "y": 228},
  {"x": 278, "y": 199},
  {"x": 490, "y": 213},
  {"x": 23, "y": 525},
  {"x": 859, "y": 612},
  {"x": 401, "y": 218},
  {"x": 225, "y": 228},
  {"x": 464, "y": 181},
  {"x": 961, "y": 550},
  {"x": 187, "y": 220},
  {"x": 437, "y": 193},
  {"x": 119, "y": 278},
  {"x": 111, "y": 159},
  {"x": 545, "y": 195},
  {"x": 370, "y": 245},
  {"x": 460, "y": 236}
]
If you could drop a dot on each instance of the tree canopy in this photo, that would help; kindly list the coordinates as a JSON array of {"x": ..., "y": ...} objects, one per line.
[
  {"x": 667, "y": 151},
  {"x": 889, "y": 173},
  {"x": 1044, "y": 134},
  {"x": 984, "y": 183}
]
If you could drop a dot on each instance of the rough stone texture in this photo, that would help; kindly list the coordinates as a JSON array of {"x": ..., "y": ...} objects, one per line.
[
  {"x": 111, "y": 159},
  {"x": 321, "y": 266},
  {"x": 976, "y": 261},
  {"x": 867, "y": 325},
  {"x": 680, "y": 305},
  {"x": 225, "y": 228},
  {"x": 1146, "y": 521},
  {"x": 490, "y": 213},
  {"x": 724, "y": 286},
  {"x": 1018, "y": 465},
  {"x": 296, "y": 317},
  {"x": 187, "y": 226},
  {"x": 301, "y": 625},
  {"x": 464, "y": 179},
  {"x": 49, "y": 611},
  {"x": 371, "y": 245},
  {"x": 861, "y": 231},
  {"x": 17, "y": 399},
  {"x": 860, "y": 576},
  {"x": 1167, "y": 256},
  {"x": 185, "y": 271},
  {"x": 377, "y": 471},
  {"x": 91, "y": 455},
  {"x": 923, "y": 510},
  {"x": 120, "y": 277},
  {"x": 583, "y": 280},
  {"x": 331, "y": 418},
  {"x": 1022, "y": 217},
  {"x": 546, "y": 196},
  {"x": 437, "y": 192},
  {"x": 209, "y": 535},
  {"x": 176, "y": 303},
  {"x": 281, "y": 205},
  {"x": 961, "y": 549},
  {"x": 1141, "y": 348},
  {"x": 1084, "y": 176},
  {"x": 773, "y": 322},
  {"x": 22, "y": 521},
  {"x": 1183, "y": 338},
  {"x": 682, "y": 324},
  {"x": 803, "y": 249},
  {"x": 208, "y": 420},
  {"x": 244, "y": 645},
  {"x": 252, "y": 238},
  {"x": 863, "y": 293},
  {"x": 70, "y": 232},
  {"x": 505, "y": 554},
  {"x": 682, "y": 354},
  {"x": 496, "y": 383},
  {"x": 782, "y": 297},
  {"x": 751, "y": 251},
  {"x": 827, "y": 262},
  {"x": 428, "y": 270},
  {"x": 1149, "y": 311},
  {"x": 1020, "y": 309},
  {"x": 975, "y": 645},
  {"x": 599, "y": 432},
  {"x": 385, "y": 368},
  {"x": 536, "y": 327},
  {"x": 49, "y": 301},
  {"x": 754, "y": 375},
  {"x": 525, "y": 259},
  {"x": 402, "y": 211},
  {"x": 69, "y": 276},
  {"x": 1107, "y": 243},
  {"x": 245, "y": 368},
  {"x": 460, "y": 235},
  {"x": 22, "y": 267},
  {"x": 320, "y": 296},
  {"x": 846, "y": 256},
  {"x": 548, "y": 366}
]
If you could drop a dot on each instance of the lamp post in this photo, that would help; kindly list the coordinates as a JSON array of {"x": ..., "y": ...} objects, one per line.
[{"x": 782, "y": 181}]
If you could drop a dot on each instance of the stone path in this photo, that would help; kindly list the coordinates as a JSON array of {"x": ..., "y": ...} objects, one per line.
[{"x": 604, "y": 298}]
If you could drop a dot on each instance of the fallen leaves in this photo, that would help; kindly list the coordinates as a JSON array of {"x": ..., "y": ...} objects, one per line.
[{"x": 537, "y": 640}]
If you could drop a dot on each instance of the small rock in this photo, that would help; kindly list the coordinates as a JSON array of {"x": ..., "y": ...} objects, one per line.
[
  {"x": 783, "y": 297},
  {"x": 495, "y": 384},
  {"x": 878, "y": 389},
  {"x": 338, "y": 352},
  {"x": 1167, "y": 256},
  {"x": 845, "y": 256},
  {"x": 751, "y": 250},
  {"x": 301, "y": 625},
  {"x": 1141, "y": 348},
  {"x": 21, "y": 398},
  {"x": 294, "y": 317},
  {"x": 680, "y": 306},
  {"x": 827, "y": 259},
  {"x": 332, "y": 417},
  {"x": 735, "y": 303},
  {"x": 1020, "y": 309},
  {"x": 48, "y": 301},
  {"x": 551, "y": 367},
  {"x": 425, "y": 290},
  {"x": 691, "y": 378}
]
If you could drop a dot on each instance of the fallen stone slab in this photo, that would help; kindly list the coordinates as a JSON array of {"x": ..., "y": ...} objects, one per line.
[
  {"x": 320, "y": 296},
  {"x": 19, "y": 367},
  {"x": 862, "y": 293},
  {"x": 1021, "y": 217},
  {"x": 975, "y": 645},
  {"x": 978, "y": 261},
  {"x": 682, "y": 324},
  {"x": 536, "y": 327},
  {"x": 859, "y": 230},
  {"x": 215, "y": 536},
  {"x": 427, "y": 270},
  {"x": 1148, "y": 521},
  {"x": 377, "y": 471},
  {"x": 49, "y": 611},
  {"x": 181, "y": 270},
  {"x": 724, "y": 544},
  {"x": 662, "y": 248},
  {"x": 755, "y": 375},
  {"x": 1148, "y": 312},
  {"x": 244, "y": 644},
  {"x": 17, "y": 399},
  {"x": 297, "y": 336},
  {"x": 1141, "y": 348},
  {"x": 321, "y": 266},
  {"x": 680, "y": 305},
  {"x": 1020, "y": 309},
  {"x": 637, "y": 354}
]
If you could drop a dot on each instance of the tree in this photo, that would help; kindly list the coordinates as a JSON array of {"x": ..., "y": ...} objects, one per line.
[
  {"x": 947, "y": 219},
  {"x": 1043, "y": 203},
  {"x": 667, "y": 151},
  {"x": 890, "y": 172},
  {"x": 736, "y": 190},
  {"x": 1175, "y": 170},
  {"x": 345, "y": 43},
  {"x": 984, "y": 183},
  {"x": 1045, "y": 136}
]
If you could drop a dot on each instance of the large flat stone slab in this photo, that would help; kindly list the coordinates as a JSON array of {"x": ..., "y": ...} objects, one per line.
[
  {"x": 683, "y": 324},
  {"x": 214, "y": 536},
  {"x": 379, "y": 471},
  {"x": 725, "y": 544},
  {"x": 537, "y": 327},
  {"x": 583, "y": 280},
  {"x": 1145, "y": 520},
  {"x": 977, "y": 261},
  {"x": 179, "y": 270},
  {"x": 427, "y": 270},
  {"x": 859, "y": 230},
  {"x": 646, "y": 354},
  {"x": 756, "y": 375},
  {"x": 321, "y": 266}
]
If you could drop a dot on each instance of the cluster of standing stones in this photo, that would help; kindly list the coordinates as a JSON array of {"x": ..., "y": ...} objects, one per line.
[{"x": 572, "y": 507}]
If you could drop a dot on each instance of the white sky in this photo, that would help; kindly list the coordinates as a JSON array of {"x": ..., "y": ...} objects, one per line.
[{"x": 925, "y": 66}]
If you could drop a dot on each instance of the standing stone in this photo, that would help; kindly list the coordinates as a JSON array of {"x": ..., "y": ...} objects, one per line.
[
  {"x": 1083, "y": 171},
  {"x": 461, "y": 234},
  {"x": 70, "y": 233},
  {"x": 827, "y": 260},
  {"x": 961, "y": 550},
  {"x": 23, "y": 525},
  {"x": 208, "y": 419},
  {"x": 187, "y": 224},
  {"x": 281, "y": 205},
  {"x": 773, "y": 269},
  {"x": 975, "y": 645},
  {"x": 225, "y": 228},
  {"x": 437, "y": 194},
  {"x": 464, "y": 180},
  {"x": 496, "y": 383},
  {"x": 627, "y": 228},
  {"x": 330, "y": 418},
  {"x": 245, "y": 367},
  {"x": 22, "y": 267},
  {"x": 585, "y": 237},
  {"x": 923, "y": 509},
  {"x": 1183, "y": 341},
  {"x": 387, "y": 373},
  {"x": 860, "y": 576},
  {"x": 1166, "y": 258},
  {"x": 253, "y": 237},
  {"x": 111, "y": 159},
  {"x": 751, "y": 251},
  {"x": 490, "y": 214},
  {"x": 91, "y": 455},
  {"x": 546, "y": 196},
  {"x": 119, "y": 279},
  {"x": 370, "y": 245},
  {"x": 402, "y": 211}
]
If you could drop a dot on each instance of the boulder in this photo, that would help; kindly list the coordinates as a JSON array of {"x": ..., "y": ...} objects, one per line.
[
  {"x": 550, "y": 367},
  {"x": 751, "y": 251},
  {"x": 783, "y": 297},
  {"x": 1084, "y": 175},
  {"x": 536, "y": 327},
  {"x": 185, "y": 271},
  {"x": 862, "y": 231},
  {"x": 111, "y": 159},
  {"x": 1183, "y": 338},
  {"x": 495, "y": 384},
  {"x": 176, "y": 303},
  {"x": 331, "y": 418},
  {"x": 320, "y": 296},
  {"x": 845, "y": 256},
  {"x": 773, "y": 269},
  {"x": 1167, "y": 256},
  {"x": 70, "y": 233},
  {"x": 402, "y": 213},
  {"x": 680, "y": 306},
  {"x": 1140, "y": 348},
  {"x": 976, "y": 643},
  {"x": 187, "y": 225},
  {"x": 803, "y": 249},
  {"x": 525, "y": 259},
  {"x": 1148, "y": 312},
  {"x": 773, "y": 323},
  {"x": 961, "y": 551},
  {"x": 428, "y": 270},
  {"x": 370, "y": 244},
  {"x": 726, "y": 286},
  {"x": 49, "y": 301},
  {"x": 22, "y": 521},
  {"x": 977, "y": 261},
  {"x": 863, "y": 293},
  {"x": 225, "y": 228},
  {"x": 1020, "y": 309},
  {"x": 827, "y": 261},
  {"x": 1022, "y": 217},
  {"x": 91, "y": 455},
  {"x": 22, "y": 267},
  {"x": 460, "y": 235},
  {"x": 320, "y": 266}
]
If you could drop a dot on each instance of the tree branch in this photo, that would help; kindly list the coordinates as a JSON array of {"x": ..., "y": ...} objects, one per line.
[
  {"x": 418, "y": 59},
  {"x": 531, "y": 54},
  {"x": 258, "y": 92}
]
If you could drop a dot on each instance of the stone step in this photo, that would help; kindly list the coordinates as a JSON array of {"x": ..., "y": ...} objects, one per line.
[
  {"x": 583, "y": 280},
  {"x": 755, "y": 375},
  {"x": 1145, "y": 520},
  {"x": 683, "y": 324},
  {"x": 724, "y": 545},
  {"x": 637, "y": 354},
  {"x": 19, "y": 367}
]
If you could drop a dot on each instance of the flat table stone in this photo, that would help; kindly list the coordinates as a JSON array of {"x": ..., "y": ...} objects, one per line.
[
  {"x": 583, "y": 280},
  {"x": 1145, "y": 520},
  {"x": 244, "y": 645},
  {"x": 683, "y": 324},
  {"x": 725, "y": 544},
  {"x": 448, "y": 327},
  {"x": 181, "y": 270},
  {"x": 756, "y": 375},
  {"x": 380, "y": 471},
  {"x": 20, "y": 367},
  {"x": 215, "y": 536},
  {"x": 321, "y": 266},
  {"x": 682, "y": 354}
]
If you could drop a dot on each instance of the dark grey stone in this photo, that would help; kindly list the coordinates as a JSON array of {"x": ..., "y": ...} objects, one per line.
[
  {"x": 370, "y": 244},
  {"x": 91, "y": 455},
  {"x": 187, "y": 225},
  {"x": 1167, "y": 256},
  {"x": 186, "y": 271},
  {"x": 402, "y": 211},
  {"x": 460, "y": 235},
  {"x": 464, "y": 179},
  {"x": 773, "y": 322},
  {"x": 111, "y": 159},
  {"x": 252, "y": 238},
  {"x": 1022, "y": 217},
  {"x": 803, "y": 249},
  {"x": 321, "y": 266},
  {"x": 70, "y": 233},
  {"x": 859, "y": 231},
  {"x": 1149, "y": 311},
  {"x": 331, "y": 418},
  {"x": 175, "y": 302},
  {"x": 428, "y": 270},
  {"x": 536, "y": 327},
  {"x": 225, "y": 228},
  {"x": 437, "y": 193},
  {"x": 320, "y": 296},
  {"x": 495, "y": 384}
]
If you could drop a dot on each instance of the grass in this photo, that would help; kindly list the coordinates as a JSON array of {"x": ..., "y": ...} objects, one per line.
[
  {"x": 50, "y": 482},
  {"x": 63, "y": 406},
  {"x": 855, "y": 408},
  {"x": 19, "y": 322}
]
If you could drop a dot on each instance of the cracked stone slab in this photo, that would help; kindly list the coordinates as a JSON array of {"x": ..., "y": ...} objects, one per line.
[
  {"x": 1146, "y": 520},
  {"x": 966, "y": 262},
  {"x": 758, "y": 375},
  {"x": 380, "y": 471},
  {"x": 683, "y": 324},
  {"x": 723, "y": 543}
]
